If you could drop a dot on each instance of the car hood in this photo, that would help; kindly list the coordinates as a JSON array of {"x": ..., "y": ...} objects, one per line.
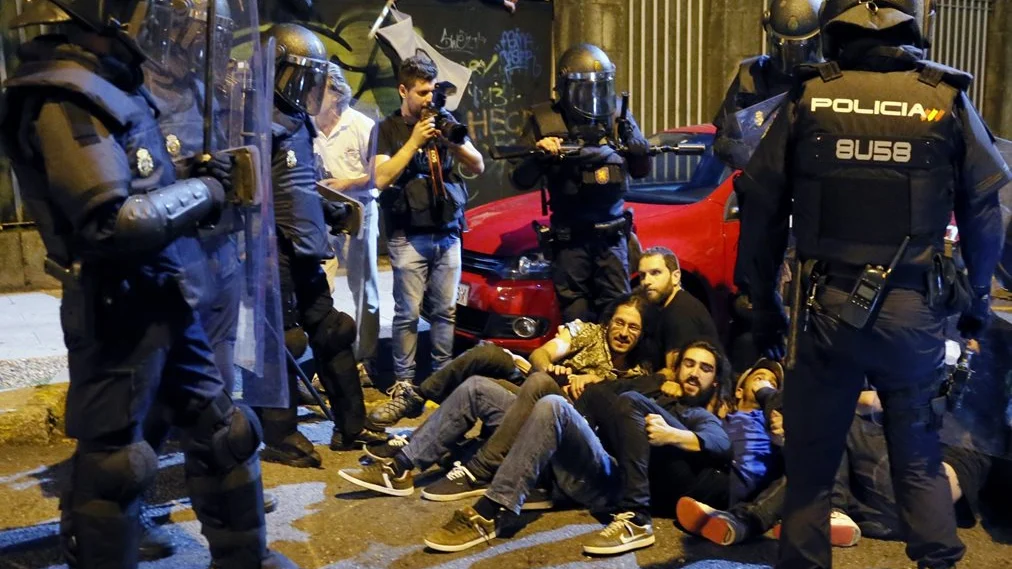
[{"x": 503, "y": 228}]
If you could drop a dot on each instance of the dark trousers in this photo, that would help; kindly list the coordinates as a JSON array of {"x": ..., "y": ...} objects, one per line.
[
  {"x": 589, "y": 274},
  {"x": 491, "y": 455},
  {"x": 652, "y": 478},
  {"x": 485, "y": 359},
  {"x": 900, "y": 355},
  {"x": 306, "y": 301}
]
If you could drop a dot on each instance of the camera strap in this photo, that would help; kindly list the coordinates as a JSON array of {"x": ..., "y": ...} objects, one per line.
[{"x": 436, "y": 171}]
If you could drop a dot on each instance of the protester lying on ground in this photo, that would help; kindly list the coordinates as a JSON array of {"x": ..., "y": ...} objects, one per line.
[{"x": 586, "y": 354}]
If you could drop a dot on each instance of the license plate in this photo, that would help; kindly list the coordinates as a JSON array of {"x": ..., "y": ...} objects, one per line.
[{"x": 463, "y": 290}]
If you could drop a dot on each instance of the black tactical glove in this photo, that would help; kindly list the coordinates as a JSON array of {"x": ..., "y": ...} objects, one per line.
[
  {"x": 973, "y": 322},
  {"x": 631, "y": 138},
  {"x": 218, "y": 167},
  {"x": 336, "y": 214},
  {"x": 768, "y": 329}
]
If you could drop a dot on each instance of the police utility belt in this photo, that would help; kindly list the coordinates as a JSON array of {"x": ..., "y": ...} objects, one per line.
[
  {"x": 563, "y": 234},
  {"x": 945, "y": 286}
]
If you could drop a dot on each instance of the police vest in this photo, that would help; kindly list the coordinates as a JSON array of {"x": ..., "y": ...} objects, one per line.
[
  {"x": 298, "y": 211},
  {"x": 586, "y": 189},
  {"x": 128, "y": 116},
  {"x": 873, "y": 162}
]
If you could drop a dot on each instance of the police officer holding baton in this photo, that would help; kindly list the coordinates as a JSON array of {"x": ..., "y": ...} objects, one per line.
[{"x": 873, "y": 152}]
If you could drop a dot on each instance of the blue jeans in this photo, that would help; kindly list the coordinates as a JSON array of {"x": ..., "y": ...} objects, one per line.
[
  {"x": 426, "y": 268},
  {"x": 477, "y": 398},
  {"x": 556, "y": 436},
  {"x": 363, "y": 280}
]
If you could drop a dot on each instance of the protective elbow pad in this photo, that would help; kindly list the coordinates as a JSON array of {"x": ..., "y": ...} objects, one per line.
[{"x": 152, "y": 220}]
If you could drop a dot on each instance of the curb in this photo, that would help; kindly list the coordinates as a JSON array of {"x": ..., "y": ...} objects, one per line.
[{"x": 33, "y": 415}]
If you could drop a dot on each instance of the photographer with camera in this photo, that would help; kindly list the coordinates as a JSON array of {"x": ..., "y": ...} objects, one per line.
[
  {"x": 422, "y": 200},
  {"x": 590, "y": 228}
]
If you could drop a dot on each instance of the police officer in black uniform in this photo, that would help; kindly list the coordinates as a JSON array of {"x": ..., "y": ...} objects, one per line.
[
  {"x": 874, "y": 150},
  {"x": 589, "y": 227},
  {"x": 792, "y": 38},
  {"x": 118, "y": 226},
  {"x": 302, "y": 219}
]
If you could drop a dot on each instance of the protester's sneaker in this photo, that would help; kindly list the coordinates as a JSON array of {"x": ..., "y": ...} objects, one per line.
[
  {"x": 458, "y": 484},
  {"x": 701, "y": 520},
  {"x": 843, "y": 532},
  {"x": 365, "y": 438},
  {"x": 538, "y": 499},
  {"x": 404, "y": 402},
  {"x": 692, "y": 515},
  {"x": 270, "y": 502},
  {"x": 295, "y": 450},
  {"x": 380, "y": 477},
  {"x": 386, "y": 451},
  {"x": 621, "y": 535},
  {"x": 464, "y": 530}
]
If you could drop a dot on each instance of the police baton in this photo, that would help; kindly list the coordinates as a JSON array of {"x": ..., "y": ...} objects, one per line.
[
  {"x": 514, "y": 152},
  {"x": 795, "y": 324}
]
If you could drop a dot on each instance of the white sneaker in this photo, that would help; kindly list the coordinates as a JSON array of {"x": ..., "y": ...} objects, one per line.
[{"x": 621, "y": 535}]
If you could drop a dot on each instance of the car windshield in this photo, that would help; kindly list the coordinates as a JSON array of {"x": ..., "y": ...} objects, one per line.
[{"x": 676, "y": 179}]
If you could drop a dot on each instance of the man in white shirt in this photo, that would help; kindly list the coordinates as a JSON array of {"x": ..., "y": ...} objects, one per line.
[{"x": 343, "y": 145}]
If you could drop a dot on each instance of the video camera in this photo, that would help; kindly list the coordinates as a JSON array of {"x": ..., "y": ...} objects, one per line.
[{"x": 446, "y": 124}]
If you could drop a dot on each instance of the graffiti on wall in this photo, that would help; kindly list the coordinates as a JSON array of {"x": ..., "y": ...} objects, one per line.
[{"x": 509, "y": 55}]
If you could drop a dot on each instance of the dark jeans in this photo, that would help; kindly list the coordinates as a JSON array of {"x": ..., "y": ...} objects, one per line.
[
  {"x": 653, "y": 478},
  {"x": 477, "y": 398},
  {"x": 484, "y": 359},
  {"x": 555, "y": 436},
  {"x": 491, "y": 455},
  {"x": 900, "y": 356},
  {"x": 589, "y": 274}
]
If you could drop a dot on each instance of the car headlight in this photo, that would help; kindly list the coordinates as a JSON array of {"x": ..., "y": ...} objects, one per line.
[{"x": 530, "y": 265}]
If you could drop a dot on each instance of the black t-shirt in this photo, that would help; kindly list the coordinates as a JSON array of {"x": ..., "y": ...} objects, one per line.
[
  {"x": 393, "y": 133},
  {"x": 685, "y": 320}
]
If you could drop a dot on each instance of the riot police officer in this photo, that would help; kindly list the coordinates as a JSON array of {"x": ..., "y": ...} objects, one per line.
[
  {"x": 589, "y": 227},
  {"x": 874, "y": 149},
  {"x": 302, "y": 222},
  {"x": 792, "y": 38},
  {"x": 118, "y": 226}
]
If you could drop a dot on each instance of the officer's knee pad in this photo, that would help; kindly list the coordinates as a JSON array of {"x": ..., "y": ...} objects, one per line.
[
  {"x": 117, "y": 476},
  {"x": 296, "y": 341},
  {"x": 335, "y": 334},
  {"x": 227, "y": 434}
]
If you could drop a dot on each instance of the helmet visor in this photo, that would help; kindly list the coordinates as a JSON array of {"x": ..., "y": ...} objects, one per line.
[
  {"x": 154, "y": 37},
  {"x": 302, "y": 81},
  {"x": 192, "y": 42},
  {"x": 591, "y": 94},
  {"x": 789, "y": 53}
]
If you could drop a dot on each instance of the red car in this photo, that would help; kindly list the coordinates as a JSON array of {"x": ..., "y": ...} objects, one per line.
[{"x": 687, "y": 204}]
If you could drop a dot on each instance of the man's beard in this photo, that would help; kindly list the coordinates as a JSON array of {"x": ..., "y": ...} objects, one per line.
[{"x": 700, "y": 399}]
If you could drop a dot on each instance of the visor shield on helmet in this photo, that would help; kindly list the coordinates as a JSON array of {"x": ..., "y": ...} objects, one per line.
[
  {"x": 155, "y": 36},
  {"x": 190, "y": 39},
  {"x": 787, "y": 54},
  {"x": 591, "y": 96},
  {"x": 302, "y": 82}
]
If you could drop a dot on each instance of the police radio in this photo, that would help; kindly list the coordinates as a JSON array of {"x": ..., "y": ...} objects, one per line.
[{"x": 867, "y": 294}]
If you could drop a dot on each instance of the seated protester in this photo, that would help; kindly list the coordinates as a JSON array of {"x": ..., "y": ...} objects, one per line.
[
  {"x": 683, "y": 317},
  {"x": 665, "y": 449},
  {"x": 586, "y": 353}
]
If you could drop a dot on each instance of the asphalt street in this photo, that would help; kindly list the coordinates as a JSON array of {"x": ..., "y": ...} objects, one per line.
[{"x": 324, "y": 521}]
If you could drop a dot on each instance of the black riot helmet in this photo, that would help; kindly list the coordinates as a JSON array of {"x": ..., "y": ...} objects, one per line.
[
  {"x": 792, "y": 33},
  {"x": 899, "y": 21},
  {"x": 132, "y": 22},
  {"x": 300, "y": 72},
  {"x": 586, "y": 85},
  {"x": 48, "y": 16}
]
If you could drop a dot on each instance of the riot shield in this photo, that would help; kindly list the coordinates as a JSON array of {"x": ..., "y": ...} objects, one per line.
[
  {"x": 355, "y": 222},
  {"x": 751, "y": 124},
  {"x": 215, "y": 96}
]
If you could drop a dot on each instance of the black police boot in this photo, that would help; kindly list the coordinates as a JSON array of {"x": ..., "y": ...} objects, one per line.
[
  {"x": 270, "y": 502},
  {"x": 294, "y": 450},
  {"x": 155, "y": 541},
  {"x": 365, "y": 437}
]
